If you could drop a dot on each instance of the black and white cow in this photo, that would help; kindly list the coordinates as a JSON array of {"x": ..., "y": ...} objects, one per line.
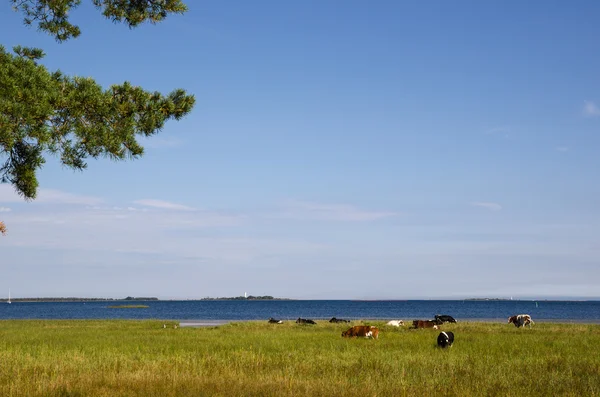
[
  {"x": 338, "y": 320},
  {"x": 304, "y": 321},
  {"x": 445, "y": 339},
  {"x": 444, "y": 318}
]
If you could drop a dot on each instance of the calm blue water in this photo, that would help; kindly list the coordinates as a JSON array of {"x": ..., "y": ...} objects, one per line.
[{"x": 588, "y": 311}]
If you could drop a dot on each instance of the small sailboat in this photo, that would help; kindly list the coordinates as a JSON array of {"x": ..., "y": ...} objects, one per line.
[{"x": 8, "y": 301}]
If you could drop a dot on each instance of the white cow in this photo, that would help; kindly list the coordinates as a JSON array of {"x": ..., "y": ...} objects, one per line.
[{"x": 396, "y": 323}]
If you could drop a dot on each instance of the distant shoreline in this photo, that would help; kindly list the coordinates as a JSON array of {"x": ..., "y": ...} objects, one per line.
[
  {"x": 73, "y": 299},
  {"x": 146, "y": 299},
  {"x": 216, "y": 322},
  {"x": 270, "y": 298},
  {"x": 247, "y": 298}
]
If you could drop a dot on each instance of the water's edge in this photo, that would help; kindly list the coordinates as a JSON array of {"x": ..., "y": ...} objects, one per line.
[
  {"x": 216, "y": 323},
  {"x": 207, "y": 311}
]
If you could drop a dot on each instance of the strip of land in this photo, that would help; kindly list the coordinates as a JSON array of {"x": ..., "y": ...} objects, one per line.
[{"x": 74, "y": 299}]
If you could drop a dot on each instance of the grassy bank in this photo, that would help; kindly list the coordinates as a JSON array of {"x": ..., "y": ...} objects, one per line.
[{"x": 140, "y": 358}]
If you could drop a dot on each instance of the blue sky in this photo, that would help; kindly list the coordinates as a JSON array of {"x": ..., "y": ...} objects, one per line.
[{"x": 337, "y": 150}]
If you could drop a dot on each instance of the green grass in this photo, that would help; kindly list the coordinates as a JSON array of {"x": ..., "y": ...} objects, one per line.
[
  {"x": 128, "y": 307},
  {"x": 140, "y": 358}
]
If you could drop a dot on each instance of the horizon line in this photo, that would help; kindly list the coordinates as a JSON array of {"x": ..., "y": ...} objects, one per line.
[{"x": 151, "y": 298}]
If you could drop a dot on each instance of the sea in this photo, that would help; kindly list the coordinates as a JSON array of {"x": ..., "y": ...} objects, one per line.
[{"x": 225, "y": 310}]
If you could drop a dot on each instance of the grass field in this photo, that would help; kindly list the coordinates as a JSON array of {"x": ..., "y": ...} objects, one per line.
[{"x": 140, "y": 358}]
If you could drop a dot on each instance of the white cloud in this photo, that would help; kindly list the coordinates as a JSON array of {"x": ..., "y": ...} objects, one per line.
[
  {"x": 9, "y": 195},
  {"x": 56, "y": 196},
  {"x": 165, "y": 205},
  {"x": 296, "y": 209},
  {"x": 191, "y": 251},
  {"x": 5, "y": 209},
  {"x": 590, "y": 109},
  {"x": 178, "y": 235},
  {"x": 488, "y": 205}
]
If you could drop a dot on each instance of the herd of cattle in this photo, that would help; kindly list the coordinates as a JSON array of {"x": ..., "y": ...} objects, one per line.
[{"x": 444, "y": 339}]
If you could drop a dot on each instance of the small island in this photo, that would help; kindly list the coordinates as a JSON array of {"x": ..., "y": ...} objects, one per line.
[
  {"x": 246, "y": 298},
  {"x": 487, "y": 299}
]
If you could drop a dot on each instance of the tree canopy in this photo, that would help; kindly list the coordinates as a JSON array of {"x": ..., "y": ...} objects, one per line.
[
  {"x": 45, "y": 112},
  {"x": 52, "y": 16}
]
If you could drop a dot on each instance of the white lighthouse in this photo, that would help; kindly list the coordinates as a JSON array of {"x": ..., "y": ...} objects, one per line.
[{"x": 246, "y": 295}]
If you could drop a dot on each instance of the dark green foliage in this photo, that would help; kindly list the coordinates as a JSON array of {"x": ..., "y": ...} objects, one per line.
[
  {"x": 52, "y": 16},
  {"x": 135, "y": 12},
  {"x": 74, "y": 118}
]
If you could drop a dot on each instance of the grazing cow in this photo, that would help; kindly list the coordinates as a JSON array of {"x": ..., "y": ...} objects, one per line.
[
  {"x": 444, "y": 319},
  {"x": 396, "y": 323},
  {"x": 304, "y": 321},
  {"x": 273, "y": 321},
  {"x": 445, "y": 339},
  {"x": 338, "y": 320},
  {"x": 425, "y": 324},
  {"x": 521, "y": 320},
  {"x": 366, "y": 331}
]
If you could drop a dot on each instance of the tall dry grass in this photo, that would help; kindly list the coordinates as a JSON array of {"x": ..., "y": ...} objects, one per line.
[{"x": 140, "y": 358}]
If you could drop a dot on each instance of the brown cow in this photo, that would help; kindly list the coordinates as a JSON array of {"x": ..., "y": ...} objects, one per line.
[
  {"x": 425, "y": 324},
  {"x": 366, "y": 331}
]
